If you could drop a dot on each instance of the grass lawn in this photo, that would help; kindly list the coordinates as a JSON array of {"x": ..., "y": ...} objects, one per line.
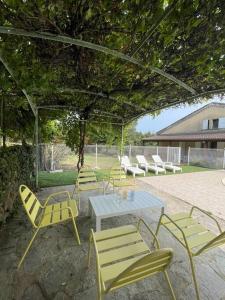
[
  {"x": 68, "y": 177},
  {"x": 103, "y": 162}
]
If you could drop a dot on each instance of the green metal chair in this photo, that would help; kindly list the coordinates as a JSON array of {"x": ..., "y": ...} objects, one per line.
[
  {"x": 86, "y": 181},
  {"x": 123, "y": 258},
  {"x": 192, "y": 235},
  {"x": 46, "y": 215}
]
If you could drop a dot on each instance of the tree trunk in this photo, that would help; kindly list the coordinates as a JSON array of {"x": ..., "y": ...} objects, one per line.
[{"x": 82, "y": 128}]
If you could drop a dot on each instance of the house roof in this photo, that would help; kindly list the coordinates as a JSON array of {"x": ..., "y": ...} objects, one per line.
[
  {"x": 213, "y": 104},
  {"x": 205, "y": 136}
]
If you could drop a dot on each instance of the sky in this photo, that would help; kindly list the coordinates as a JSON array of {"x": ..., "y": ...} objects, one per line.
[{"x": 169, "y": 116}]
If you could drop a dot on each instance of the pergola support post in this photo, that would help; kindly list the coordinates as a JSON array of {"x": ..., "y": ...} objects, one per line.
[
  {"x": 37, "y": 148},
  {"x": 122, "y": 141},
  {"x": 3, "y": 123}
]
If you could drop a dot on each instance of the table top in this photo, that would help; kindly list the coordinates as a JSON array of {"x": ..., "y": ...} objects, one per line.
[{"x": 115, "y": 204}]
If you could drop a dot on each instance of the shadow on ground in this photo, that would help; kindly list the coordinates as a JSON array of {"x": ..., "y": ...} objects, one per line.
[{"x": 56, "y": 267}]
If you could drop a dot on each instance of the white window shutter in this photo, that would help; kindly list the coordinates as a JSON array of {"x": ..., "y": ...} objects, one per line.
[
  {"x": 221, "y": 123},
  {"x": 205, "y": 124}
]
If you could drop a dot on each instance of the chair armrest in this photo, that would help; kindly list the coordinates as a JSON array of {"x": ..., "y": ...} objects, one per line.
[
  {"x": 143, "y": 164},
  {"x": 135, "y": 165},
  {"x": 178, "y": 227},
  {"x": 210, "y": 243},
  {"x": 157, "y": 164},
  {"x": 207, "y": 214},
  {"x": 141, "y": 221},
  {"x": 56, "y": 194},
  {"x": 152, "y": 164},
  {"x": 168, "y": 163}
]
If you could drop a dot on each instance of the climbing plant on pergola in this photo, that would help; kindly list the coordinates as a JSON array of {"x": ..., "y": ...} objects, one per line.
[{"x": 110, "y": 60}]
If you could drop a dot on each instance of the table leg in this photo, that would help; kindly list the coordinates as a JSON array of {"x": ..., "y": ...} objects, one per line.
[
  {"x": 98, "y": 224},
  {"x": 90, "y": 210}
]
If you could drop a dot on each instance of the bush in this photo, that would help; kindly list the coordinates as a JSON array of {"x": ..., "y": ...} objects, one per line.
[{"x": 16, "y": 167}]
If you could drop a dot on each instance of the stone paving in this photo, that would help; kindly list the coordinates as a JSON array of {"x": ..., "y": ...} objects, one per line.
[
  {"x": 56, "y": 267},
  {"x": 204, "y": 189}
]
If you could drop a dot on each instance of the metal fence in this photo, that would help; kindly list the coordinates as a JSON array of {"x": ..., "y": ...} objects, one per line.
[
  {"x": 59, "y": 156},
  {"x": 208, "y": 158}
]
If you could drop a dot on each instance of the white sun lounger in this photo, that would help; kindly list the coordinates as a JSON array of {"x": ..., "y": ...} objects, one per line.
[
  {"x": 142, "y": 162},
  {"x": 128, "y": 167},
  {"x": 167, "y": 165}
]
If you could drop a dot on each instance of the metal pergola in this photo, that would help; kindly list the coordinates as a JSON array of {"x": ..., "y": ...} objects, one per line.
[{"x": 139, "y": 110}]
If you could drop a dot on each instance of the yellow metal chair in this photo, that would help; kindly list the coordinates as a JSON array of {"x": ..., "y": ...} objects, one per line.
[
  {"x": 86, "y": 181},
  {"x": 118, "y": 178},
  {"x": 192, "y": 235},
  {"x": 122, "y": 258},
  {"x": 42, "y": 216}
]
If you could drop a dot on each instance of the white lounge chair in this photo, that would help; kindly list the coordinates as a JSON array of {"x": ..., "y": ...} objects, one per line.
[
  {"x": 142, "y": 162},
  {"x": 128, "y": 167},
  {"x": 167, "y": 165}
]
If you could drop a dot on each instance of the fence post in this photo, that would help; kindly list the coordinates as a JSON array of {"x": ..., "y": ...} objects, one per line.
[
  {"x": 167, "y": 153},
  {"x": 188, "y": 160},
  {"x": 129, "y": 151},
  {"x": 179, "y": 156},
  {"x": 96, "y": 156},
  {"x": 52, "y": 164},
  {"x": 223, "y": 158},
  {"x": 157, "y": 150}
]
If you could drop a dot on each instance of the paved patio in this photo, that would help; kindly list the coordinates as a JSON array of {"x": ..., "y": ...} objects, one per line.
[
  {"x": 204, "y": 189},
  {"x": 55, "y": 268}
]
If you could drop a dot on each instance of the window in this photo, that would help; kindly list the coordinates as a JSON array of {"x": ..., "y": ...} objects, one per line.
[
  {"x": 221, "y": 123},
  {"x": 205, "y": 124},
  {"x": 215, "y": 123},
  {"x": 213, "y": 145}
]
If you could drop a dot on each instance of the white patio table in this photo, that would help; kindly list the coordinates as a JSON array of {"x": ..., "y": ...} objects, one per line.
[{"x": 106, "y": 206}]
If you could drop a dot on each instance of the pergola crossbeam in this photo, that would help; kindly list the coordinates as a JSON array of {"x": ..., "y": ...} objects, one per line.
[
  {"x": 213, "y": 92},
  {"x": 99, "y": 94},
  {"x": 92, "y": 46},
  {"x": 6, "y": 65},
  {"x": 71, "y": 107}
]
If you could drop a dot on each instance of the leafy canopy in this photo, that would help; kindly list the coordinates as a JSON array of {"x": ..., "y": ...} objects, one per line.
[{"x": 186, "y": 39}]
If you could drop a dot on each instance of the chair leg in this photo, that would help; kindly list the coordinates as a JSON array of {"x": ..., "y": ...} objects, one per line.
[
  {"x": 170, "y": 285},
  {"x": 73, "y": 191},
  {"x": 194, "y": 276},
  {"x": 27, "y": 249},
  {"x": 76, "y": 231},
  {"x": 157, "y": 230},
  {"x": 78, "y": 196},
  {"x": 99, "y": 288},
  {"x": 89, "y": 251}
]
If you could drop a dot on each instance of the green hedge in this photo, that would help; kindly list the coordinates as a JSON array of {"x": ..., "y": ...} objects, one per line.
[{"x": 16, "y": 167}]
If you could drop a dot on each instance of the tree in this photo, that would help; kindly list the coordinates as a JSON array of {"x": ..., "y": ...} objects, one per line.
[{"x": 78, "y": 133}]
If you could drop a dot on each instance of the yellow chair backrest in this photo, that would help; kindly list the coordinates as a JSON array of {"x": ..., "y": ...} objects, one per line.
[
  {"x": 117, "y": 173},
  {"x": 146, "y": 266},
  {"x": 86, "y": 176},
  {"x": 30, "y": 203},
  {"x": 216, "y": 242}
]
